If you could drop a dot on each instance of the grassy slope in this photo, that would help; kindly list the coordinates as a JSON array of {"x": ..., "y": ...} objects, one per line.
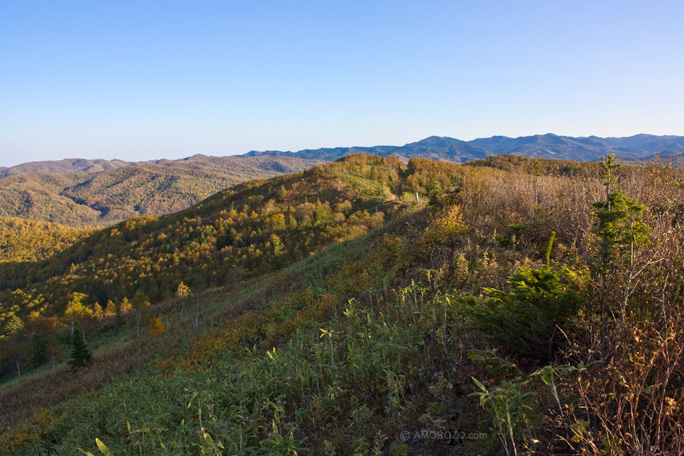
[
  {"x": 271, "y": 307},
  {"x": 98, "y": 247},
  {"x": 221, "y": 306}
]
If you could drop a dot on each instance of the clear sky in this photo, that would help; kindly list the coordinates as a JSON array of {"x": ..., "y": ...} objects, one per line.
[{"x": 150, "y": 79}]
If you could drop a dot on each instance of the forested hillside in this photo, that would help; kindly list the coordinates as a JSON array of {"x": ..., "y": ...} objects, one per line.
[
  {"x": 364, "y": 306},
  {"x": 28, "y": 240},
  {"x": 37, "y": 197},
  {"x": 121, "y": 192},
  {"x": 239, "y": 233}
]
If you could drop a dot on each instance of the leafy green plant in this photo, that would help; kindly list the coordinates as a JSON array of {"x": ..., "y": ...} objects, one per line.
[
  {"x": 508, "y": 405},
  {"x": 277, "y": 443}
]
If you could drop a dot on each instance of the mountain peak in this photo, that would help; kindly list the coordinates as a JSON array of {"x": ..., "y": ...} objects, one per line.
[{"x": 438, "y": 140}]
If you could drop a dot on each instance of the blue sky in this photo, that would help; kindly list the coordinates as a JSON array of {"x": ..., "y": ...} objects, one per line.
[{"x": 150, "y": 79}]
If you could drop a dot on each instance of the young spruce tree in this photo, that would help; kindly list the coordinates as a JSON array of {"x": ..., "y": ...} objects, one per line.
[
  {"x": 621, "y": 235},
  {"x": 80, "y": 353},
  {"x": 619, "y": 228}
]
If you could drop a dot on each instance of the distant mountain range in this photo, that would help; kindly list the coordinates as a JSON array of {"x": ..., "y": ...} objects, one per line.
[
  {"x": 591, "y": 148},
  {"x": 548, "y": 146}
]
